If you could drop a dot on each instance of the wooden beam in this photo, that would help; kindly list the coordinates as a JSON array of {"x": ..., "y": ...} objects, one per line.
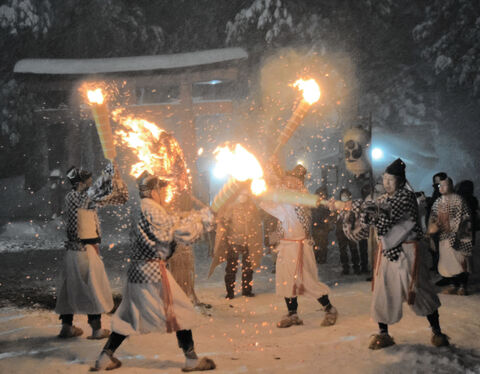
[
  {"x": 208, "y": 108},
  {"x": 159, "y": 80},
  {"x": 203, "y": 108},
  {"x": 54, "y": 116}
]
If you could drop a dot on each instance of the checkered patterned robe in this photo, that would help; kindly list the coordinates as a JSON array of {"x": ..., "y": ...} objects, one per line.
[
  {"x": 402, "y": 205},
  {"x": 458, "y": 215},
  {"x": 354, "y": 221},
  {"x": 154, "y": 233},
  {"x": 384, "y": 213},
  {"x": 108, "y": 189},
  {"x": 304, "y": 216}
]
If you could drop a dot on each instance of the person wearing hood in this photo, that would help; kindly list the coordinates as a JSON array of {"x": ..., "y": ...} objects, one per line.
[
  {"x": 83, "y": 285},
  {"x": 400, "y": 274},
  {"x": 296, "y": 268},
  {"x": 152, "y": 300},
  {"x": 451, "y": 219}
]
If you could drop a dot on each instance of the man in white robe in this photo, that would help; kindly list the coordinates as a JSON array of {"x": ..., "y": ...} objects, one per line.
[
  {"x": 296, "y": 268},
  {"x": 152, "y": 300},
  {"x": 83, "y": 285},
  {"x": 450, "y": 218},
  {"x": 400, "y": 274}
]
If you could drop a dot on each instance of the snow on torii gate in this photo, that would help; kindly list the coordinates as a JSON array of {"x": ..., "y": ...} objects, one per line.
[{"x": 182, "y": 70}]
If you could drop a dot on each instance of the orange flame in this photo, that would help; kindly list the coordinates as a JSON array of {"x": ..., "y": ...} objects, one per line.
[
  {"x": 311, "y": 91},
  {"x": 241, "y": 165},
  {"x": 157, "y": 151},
  {"x": 258, "y": 186},
  {"x": 95, "y": 96}
]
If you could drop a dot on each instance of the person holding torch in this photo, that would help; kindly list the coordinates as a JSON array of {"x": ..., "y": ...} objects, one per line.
[
  {"x": 400, "y": 275},
  {"x": 152, "y": 299},
  {"x": 296, "y": 268},
  {"x": 84, "y": 287}
]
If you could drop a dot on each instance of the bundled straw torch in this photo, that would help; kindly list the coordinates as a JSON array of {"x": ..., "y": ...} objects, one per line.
[
  {"x": 102, "y": 122},
  {"x": 287, "y": 196},
  {"x": 311, "y": 94}
]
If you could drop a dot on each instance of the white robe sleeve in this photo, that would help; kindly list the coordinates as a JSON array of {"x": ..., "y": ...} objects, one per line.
[{"x": 166, "y": 227}]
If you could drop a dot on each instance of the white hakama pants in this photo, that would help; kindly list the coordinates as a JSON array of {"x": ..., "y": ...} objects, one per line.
[
  {"x": 287, "y": 271},
  {"x": 451, "y": 262},
  {"x": 142, "y": 310},
  {"x": 83, "y": 284},
  {"x": 391, "y": 287}
]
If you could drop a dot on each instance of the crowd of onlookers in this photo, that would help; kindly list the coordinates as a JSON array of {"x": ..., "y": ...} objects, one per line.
[
  {"x": 358, "y": 257},
  {"x": 446, "y": 218}
]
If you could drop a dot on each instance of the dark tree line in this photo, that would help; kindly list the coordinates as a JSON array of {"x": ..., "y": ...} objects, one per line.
[{"x": 417, "y": 62}]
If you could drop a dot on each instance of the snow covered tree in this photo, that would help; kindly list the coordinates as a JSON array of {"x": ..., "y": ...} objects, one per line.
[
  {"x": 23, "y": 25},
  {"x": 326, "y": 24},
  {"x": 449, "y": 35},
  {"x": 58, "y": 28},
  {"x": 19, "y": 16},
  {"x": 191, "y": 25},
  {"x": 101, "y": 28}
]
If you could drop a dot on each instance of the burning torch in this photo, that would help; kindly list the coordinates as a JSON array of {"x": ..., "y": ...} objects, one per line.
[
  {"x": 311, "y": 94},
  {"x": 228, "y": 190},
  {"x": 102, "y": 122},
  {"x": 242, "y": 166},
  {"x": 157, "y": 152}
]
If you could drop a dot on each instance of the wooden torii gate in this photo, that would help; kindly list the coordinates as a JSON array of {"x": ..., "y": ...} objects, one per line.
[
  {"x": 185, "y": 110},
  {"x": 183, "y": 70}
]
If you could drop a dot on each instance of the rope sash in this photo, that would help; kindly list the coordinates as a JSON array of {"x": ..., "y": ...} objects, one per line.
[
  {"x": 167, "y": 298},
  {"x": 413, "y": 281},
  {"x": 96, "y": 247},
  {"x": 376, "y": 266}
]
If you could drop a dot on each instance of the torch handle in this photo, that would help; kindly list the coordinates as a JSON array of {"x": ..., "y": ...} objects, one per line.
[
  {"x": 104, "y": 130},
  {"x": 292, "y": 124},
  {"x": 228, "y": 190},
  {"x": 336, "y": 205},
  {"x": 291, "y": 197},
  {"x": 198, "y": 201}
]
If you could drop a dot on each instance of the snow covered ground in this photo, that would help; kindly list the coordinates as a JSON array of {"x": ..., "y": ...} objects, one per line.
[
  {"x": 25, "y": 235},
  {"x": 17, "y": 236},
  {"x": 242, "y": 337}
]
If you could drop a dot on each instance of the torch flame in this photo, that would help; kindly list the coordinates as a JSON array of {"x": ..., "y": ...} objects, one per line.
[
  {"x": 258, "y": 186},
  {"x": 311, "y": 91},
  {"x": 241, "y": 165},
  {"x": 140, "y": 135},
  {"x": 95, "y": 96},
  {"x": 158, "y": 152}
]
